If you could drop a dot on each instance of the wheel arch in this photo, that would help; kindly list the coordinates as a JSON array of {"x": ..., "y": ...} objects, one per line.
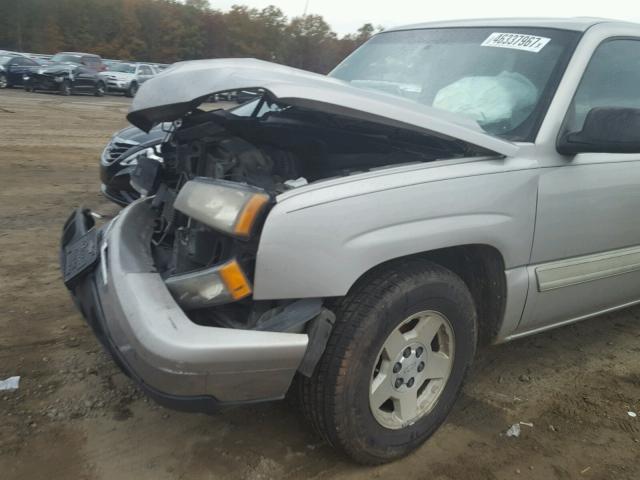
[
  {"x": 129, "y": 90},
  {"x": 480, "y": 266}
]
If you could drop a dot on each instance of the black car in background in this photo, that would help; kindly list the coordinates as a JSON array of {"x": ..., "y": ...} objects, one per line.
[
  {"x": 120, "y": 157},
  {"x": 66, "y": 78},
  {"x": 13, "y": 66}
]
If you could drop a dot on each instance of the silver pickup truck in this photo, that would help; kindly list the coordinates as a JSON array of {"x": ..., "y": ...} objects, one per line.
[{"x": 352, "y": 238}]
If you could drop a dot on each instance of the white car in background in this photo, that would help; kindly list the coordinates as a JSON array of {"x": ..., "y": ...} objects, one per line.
[{"x": 127, "y": 77}]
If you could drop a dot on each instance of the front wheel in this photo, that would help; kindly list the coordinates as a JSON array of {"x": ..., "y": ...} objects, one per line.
[
  {"x": 4, "y": 82},
  {"x": 99, "y": 90},
  {"x": 403, "y": 341},
  {"x": 65, "y": 88},
  {"x": 132, "y": 90}
]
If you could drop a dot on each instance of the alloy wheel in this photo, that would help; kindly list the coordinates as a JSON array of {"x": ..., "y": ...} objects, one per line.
[{"x": 411, "y": 370}]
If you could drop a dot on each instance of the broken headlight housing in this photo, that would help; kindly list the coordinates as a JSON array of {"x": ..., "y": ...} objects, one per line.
[
  {"x": 212, "y": 286},
  {"x": 228, "y": 207}
]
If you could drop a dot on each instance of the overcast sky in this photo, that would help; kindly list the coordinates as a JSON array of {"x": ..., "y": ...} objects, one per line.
[{"x": 346, "y": 16}]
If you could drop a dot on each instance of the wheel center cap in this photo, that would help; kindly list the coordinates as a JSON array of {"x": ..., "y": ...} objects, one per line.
[{"x": 408, "y": 367}]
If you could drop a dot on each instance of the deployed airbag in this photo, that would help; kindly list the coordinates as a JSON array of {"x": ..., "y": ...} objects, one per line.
[{"x": 505, "y": 97}]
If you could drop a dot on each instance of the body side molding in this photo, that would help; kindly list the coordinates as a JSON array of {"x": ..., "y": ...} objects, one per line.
[{"x": 588, "y": 268}]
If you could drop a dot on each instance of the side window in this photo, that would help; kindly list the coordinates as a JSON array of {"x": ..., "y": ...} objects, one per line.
[
  {"x": 612, "y": 79},
  {"x": 144, "y": 70},
  {"x": 90, "y": 62}
]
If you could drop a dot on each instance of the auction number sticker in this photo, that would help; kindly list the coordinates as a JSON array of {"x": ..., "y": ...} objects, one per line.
[{"x": 518, "y": 41}]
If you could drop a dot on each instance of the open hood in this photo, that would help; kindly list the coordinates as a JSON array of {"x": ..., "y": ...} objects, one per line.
[{"x": 181, "y": 88}]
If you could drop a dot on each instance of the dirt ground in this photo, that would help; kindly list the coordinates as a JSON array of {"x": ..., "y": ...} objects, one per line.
[{"x": 75, "y": 416}]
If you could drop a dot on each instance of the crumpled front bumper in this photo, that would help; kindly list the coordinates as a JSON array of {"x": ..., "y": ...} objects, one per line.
[
  {"x": 179, "y": 363},
  {"x": 42, "y": 82}
]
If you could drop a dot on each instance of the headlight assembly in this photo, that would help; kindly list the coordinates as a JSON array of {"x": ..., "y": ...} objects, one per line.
[
  {"x": 226, "y": 206},
  {"x": 212, "y": 286}
]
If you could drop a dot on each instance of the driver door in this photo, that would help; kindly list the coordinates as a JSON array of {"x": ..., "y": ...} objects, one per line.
[
  {"x": 586, "y": 249},
  {"x": 84, "y": 78}
]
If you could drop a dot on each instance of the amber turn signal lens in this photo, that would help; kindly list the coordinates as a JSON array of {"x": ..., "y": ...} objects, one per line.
[
  {"x": 235, "y": 280},
  {"x": 249, "y": 213}
]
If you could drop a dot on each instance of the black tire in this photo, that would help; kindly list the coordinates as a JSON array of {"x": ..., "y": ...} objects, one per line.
[
  {"x": 4, "y": 81},
  {"x": 28, "y": 89},
  {"x": 99, "y": 90},
  {"x": 65, "y": 88},
  {"x": 336, "y": 398},
  {"x": 132, "y": 90}
]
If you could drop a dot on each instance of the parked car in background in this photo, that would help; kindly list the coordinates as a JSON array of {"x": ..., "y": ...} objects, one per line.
[
  {"x": 89, "y": 60},
  {"x": 127, "y": 77},
  {"x": 66, "y": 78},
  {"x": 109, "y": 62},
  {"x": 13, "y": 66},
  {"x": 244, "y": 96},
  {"x": 44, "y": 59},
  {"x": 354, "y": 237},
  {"x": 120, "y": 157}
]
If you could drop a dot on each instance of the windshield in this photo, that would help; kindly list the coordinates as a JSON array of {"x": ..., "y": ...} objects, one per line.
[
  {"x": 5, "y": 59},
  {"x": 122, "y": 67},
  {"x": 503, "y": 78},
  {"x": 64, "y": 57}
]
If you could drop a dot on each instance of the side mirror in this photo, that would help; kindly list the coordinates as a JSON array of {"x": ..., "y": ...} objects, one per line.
[{"x": 605, "y": 130}]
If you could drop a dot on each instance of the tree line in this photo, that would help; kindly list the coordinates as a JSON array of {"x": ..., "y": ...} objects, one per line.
[{"x": 166, "y": 31}]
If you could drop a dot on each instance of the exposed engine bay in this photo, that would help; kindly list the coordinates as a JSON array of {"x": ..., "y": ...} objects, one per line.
[{"x": 267, "y": 149}]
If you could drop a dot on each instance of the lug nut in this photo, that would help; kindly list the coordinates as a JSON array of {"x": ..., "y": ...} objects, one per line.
[
  {"x": 420, "y": 366},
  {"x": 419, "y": 351},
  {"x": 399, "y": 382},
  {"x": 407, "y": 352},
  {"x": 410, "y": 382},
  {"x": 397, "y": 367}
]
